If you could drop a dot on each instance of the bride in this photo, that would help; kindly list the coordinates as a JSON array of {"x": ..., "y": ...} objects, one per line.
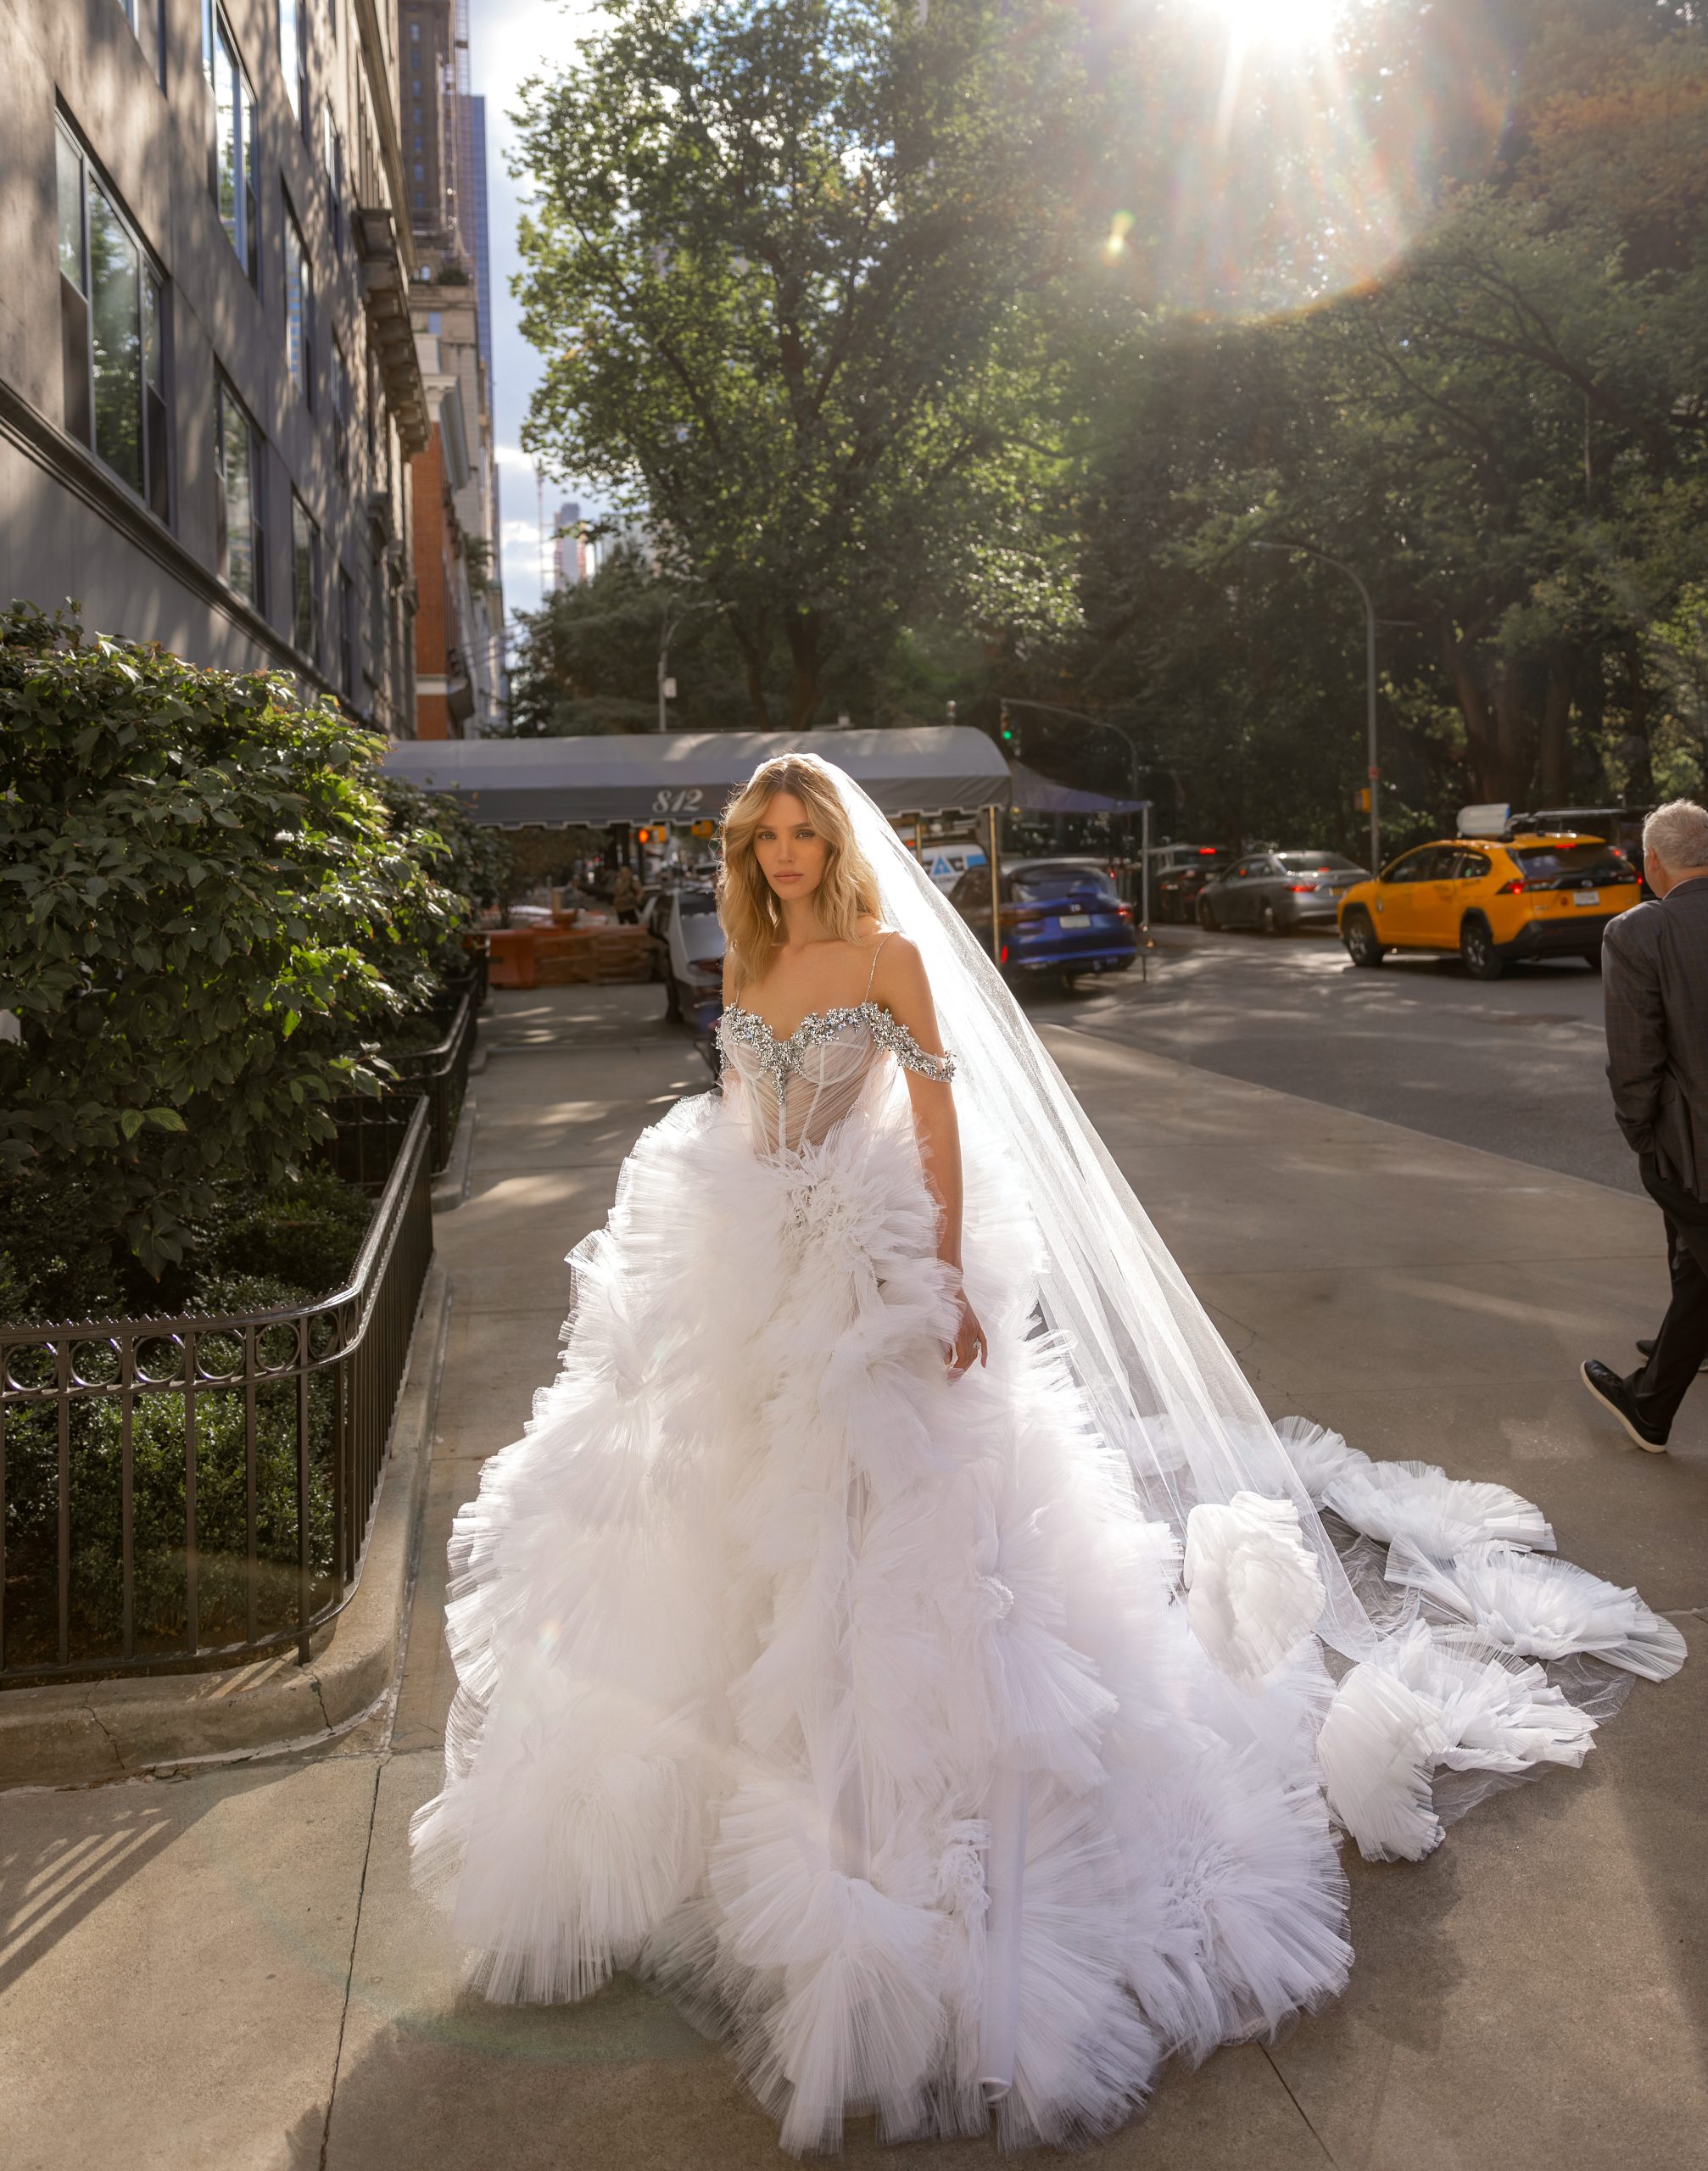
[{"x": 893, "y": 1635}]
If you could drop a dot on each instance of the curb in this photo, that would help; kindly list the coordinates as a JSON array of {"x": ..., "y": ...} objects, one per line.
[{"x": 78, "y": 1734}]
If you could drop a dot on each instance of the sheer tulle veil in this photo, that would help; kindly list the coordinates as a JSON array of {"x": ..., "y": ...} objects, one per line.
[{"x": 1157, "y": 1380}]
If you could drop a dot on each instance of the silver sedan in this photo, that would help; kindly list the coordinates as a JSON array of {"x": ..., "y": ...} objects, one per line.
[{"x": 1279, "y": 891}]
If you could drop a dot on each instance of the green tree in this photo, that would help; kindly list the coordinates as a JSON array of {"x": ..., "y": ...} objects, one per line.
[
  {"x": 206, "y": 922},
  {"x": 776, "y": 268},
  {"x": 1506, "y": 436}
]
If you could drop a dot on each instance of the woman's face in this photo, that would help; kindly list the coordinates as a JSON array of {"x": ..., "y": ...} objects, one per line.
[{"x": 792, "y": 855}]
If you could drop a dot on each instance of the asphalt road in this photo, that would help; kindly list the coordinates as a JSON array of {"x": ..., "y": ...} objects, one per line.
[{"x": 1514, "y": 1065}]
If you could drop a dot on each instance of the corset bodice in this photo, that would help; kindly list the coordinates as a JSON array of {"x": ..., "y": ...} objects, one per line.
[{"x": 792, "y": 1089}]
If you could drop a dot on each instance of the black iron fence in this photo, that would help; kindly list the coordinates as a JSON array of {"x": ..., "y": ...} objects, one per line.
[
  {"x": 441, "y": 1074},
  {"x": 180, "y": 1493}
]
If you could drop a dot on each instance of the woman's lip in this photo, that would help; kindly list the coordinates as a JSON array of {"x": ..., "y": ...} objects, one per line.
[{"x": 785, "y": 878}]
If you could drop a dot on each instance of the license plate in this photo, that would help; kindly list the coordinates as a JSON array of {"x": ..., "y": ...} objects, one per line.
[
  {"x": 1588, "y": 897},
  {"x": 1074, "y": 919}
]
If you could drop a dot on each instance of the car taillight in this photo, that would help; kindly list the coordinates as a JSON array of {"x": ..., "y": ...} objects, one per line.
[
  {"x": 1302, "y": 888},
  {"x": 1515, "y": 887},
  {"x": 1003, "y": 958},
  {"x": 1123, "y": 911},
  {"x": 1023, "y": 915}
]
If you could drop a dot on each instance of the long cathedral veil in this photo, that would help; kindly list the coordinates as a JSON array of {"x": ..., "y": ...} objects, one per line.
[{"x": 1159, "y": 1380}]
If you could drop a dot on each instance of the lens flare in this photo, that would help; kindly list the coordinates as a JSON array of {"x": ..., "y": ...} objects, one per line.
[
  {"x": 1281, "y": 22},
  {"x": 1284, "y": 150}
]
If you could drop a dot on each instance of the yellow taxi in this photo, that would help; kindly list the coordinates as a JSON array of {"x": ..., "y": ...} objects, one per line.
[{"x": 1533, "y": 895}]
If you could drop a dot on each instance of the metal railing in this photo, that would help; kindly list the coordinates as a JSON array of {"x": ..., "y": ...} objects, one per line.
[
  {"x": 441, "y": 1074},
  {"x": 189, "y": 1493}
]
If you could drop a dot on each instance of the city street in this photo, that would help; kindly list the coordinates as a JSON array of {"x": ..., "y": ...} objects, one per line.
[
  {"x": 268, "y": 1994},
  {"x": 1514, "y": 1065}
]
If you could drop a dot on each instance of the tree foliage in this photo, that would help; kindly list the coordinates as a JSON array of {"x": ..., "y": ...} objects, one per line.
[
  {"x": 206, "y": 922},
  {"x": 777, "y": 269},
  {"x": 1506, "y": 437}
]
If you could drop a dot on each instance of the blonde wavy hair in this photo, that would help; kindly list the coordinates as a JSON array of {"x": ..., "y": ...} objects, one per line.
[{"x": 747, "y": 905}]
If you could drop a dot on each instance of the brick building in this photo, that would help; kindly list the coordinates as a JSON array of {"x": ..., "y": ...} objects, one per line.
[{"x": 461, "y": 690}]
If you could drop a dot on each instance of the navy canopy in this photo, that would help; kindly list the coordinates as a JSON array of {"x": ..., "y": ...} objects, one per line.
[
  {"x": 688, "y": 776},
  {"x": 1036, "y": 795}
]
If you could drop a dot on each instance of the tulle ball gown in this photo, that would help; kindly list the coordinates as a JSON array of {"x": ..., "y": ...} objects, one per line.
[{"x": 866, "y": 1710}]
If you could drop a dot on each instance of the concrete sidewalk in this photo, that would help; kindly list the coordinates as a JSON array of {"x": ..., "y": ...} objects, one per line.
[{"x": 226, "y": 1969}]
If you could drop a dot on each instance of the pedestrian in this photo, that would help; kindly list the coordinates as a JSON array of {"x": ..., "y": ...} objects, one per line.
[
  {"x": 1656, "y": 972},
  {"x": 626, "y": 897}
]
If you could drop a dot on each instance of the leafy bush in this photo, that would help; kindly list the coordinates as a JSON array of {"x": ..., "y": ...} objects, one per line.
[
  {"x": 207, "y": 925},
  {"x": 464, "y": 856},
  {"x": 304, "y": 1235}
]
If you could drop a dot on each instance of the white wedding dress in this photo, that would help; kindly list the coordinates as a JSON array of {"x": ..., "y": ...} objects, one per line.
[{"x": 862, "y": 1709}]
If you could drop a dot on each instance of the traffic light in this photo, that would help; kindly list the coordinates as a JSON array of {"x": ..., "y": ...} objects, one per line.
[
  {"x": 1009, "y": 733},
  {"x": 1361, "y": 800}
]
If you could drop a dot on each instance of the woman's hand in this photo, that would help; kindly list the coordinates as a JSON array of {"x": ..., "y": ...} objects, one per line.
[{"x": 969, "y": 1337}]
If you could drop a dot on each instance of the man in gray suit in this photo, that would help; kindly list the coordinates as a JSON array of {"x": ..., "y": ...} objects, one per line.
[{"x": 1655, "y": 970}]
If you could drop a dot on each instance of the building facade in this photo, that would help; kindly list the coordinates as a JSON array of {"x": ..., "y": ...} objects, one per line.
[
  {"x": 209, "y": 393},
  {"x": 571, "y": 555},
  {"x": 460, "y": 691}
]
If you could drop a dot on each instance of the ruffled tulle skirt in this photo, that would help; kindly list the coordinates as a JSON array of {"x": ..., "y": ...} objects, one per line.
[{"x": 858, "y": 1708}]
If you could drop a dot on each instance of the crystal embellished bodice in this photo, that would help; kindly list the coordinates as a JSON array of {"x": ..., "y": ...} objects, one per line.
[{"x": 794, "y": 1089}]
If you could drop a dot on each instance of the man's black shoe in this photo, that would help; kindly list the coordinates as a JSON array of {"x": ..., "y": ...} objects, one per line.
[
  {"x": 1615, "y": 1398},
  {"x": 1645, "y": 1347}
]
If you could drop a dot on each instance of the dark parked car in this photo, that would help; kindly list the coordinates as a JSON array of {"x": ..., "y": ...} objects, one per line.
[
  {"x": 1058, "y": 915},
  {"x": 1179, "y": 889},
  {"x": 1280, "y": 891}
]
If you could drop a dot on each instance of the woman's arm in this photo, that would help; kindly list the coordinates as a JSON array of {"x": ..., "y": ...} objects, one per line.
[{"x": 900, "y": 984}]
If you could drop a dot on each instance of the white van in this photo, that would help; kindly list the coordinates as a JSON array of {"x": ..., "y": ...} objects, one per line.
[{"x": 946, "y": 859}]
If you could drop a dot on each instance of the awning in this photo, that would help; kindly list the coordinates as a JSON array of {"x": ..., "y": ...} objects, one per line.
[
  {"x": 1036, "y": 795},
  {"x": 688, "y": 776}
]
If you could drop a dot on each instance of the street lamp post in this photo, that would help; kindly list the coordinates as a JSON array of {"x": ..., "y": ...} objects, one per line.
[
  {"x": 1372, "y": 768},
  {"x": 666, "y": 627}
]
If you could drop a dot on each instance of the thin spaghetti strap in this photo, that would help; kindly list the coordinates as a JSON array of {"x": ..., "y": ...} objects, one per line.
[{"x": 873, "y": 975}]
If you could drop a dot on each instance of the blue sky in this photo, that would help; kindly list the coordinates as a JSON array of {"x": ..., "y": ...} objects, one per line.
[{"x": 509, "y": 41}]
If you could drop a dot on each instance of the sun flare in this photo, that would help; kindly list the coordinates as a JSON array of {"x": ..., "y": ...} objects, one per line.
[{"x": 1293, "y": 24}]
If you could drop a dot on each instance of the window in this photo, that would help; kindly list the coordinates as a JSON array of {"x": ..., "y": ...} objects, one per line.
[
  {"x": 299, "y": 308},
  {"x": 332, "y": 155},
  {"x": 340, "y": 379},
  {"x": 1411, "y": 869},
  {"x": 435, "y": 322},
  {"x": 236, "y": 174},
  {"x": 1607, "y": 863},
  {"x": 1039, "y": 884},
  {"x": 238, "y": 478},
  {"x": 306, "y": 580},
  {"x": 347, "y": 637},
  {"x": 377, "y": 618},
  {"x": 148, "y": 18},
  {"x": 1316, "y": 863},
  {"x": 294, "y": 58},
  {"x": 112, "y": 332}
]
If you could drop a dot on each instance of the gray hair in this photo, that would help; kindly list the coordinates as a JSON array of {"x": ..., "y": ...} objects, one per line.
[{"x": 1678, "y": 834}]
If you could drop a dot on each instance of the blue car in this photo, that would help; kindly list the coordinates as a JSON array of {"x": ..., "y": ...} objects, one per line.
[{"x": 1061, "y": 916}]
